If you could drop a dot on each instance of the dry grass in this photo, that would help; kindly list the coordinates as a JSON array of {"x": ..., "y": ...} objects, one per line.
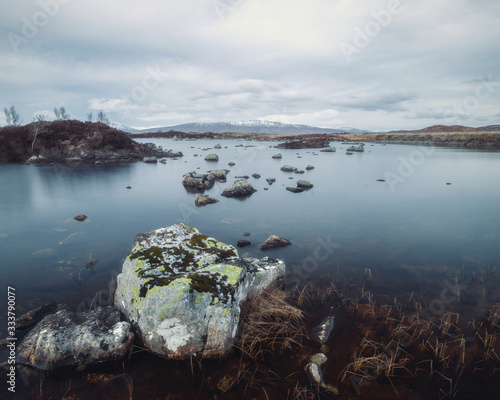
[{"x": 270, "y": 324}]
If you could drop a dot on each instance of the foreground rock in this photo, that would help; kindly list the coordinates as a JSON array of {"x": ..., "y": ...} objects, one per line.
[
  {"x": 76, "y": 338},
  {"x": 273, "y": 242},
  {"x": 199, "y": 182},
  {"x": 240, "y": 188},
  {"x": 201, "y": 200},
  {"x": 183, "y": 291}
]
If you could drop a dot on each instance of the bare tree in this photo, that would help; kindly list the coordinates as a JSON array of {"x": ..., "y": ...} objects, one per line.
[
  {"x": 101, "y": 117},
  {"x": 37, "y": 127},
  {"x": 90, "y": 117},
  {"x": 61, "y": 114},
  {"x": 12, "y": 116}
]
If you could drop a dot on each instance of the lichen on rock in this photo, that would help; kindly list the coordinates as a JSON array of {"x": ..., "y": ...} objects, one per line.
[{"x": 182, "y": 291}]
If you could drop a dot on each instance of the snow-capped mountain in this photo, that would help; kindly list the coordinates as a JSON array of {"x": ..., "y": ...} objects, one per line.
[
  {"x": 253, "y": 126},
  {"x": 124, "y": 128}
]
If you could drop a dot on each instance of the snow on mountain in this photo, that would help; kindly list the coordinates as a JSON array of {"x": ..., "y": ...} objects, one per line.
[{"x": 252, "y": 126}]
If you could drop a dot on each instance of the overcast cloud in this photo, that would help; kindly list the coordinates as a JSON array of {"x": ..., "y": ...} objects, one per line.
[{"x": 377, "y": 65}]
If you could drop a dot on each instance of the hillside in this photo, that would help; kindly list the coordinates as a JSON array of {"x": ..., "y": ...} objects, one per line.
[{"x": 72, "y": 140}]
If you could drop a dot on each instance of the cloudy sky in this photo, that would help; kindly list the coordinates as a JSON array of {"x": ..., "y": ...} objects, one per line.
[{"x": 377, "y": 65}]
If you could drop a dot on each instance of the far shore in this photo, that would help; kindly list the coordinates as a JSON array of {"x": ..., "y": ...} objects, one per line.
[{"x": 484, "y": 140}]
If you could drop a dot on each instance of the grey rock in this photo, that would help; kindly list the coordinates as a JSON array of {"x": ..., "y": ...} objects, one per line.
[
  {"x": 240, "y": 188},
  {"x": 76, "y": 338},
  {"x": 322, "y": 332},
  {"x": 278, "y": 156},
  {"x": 219, "y": 174},
  {"x": 34, "y": 316},
  {"x": 299, "y": 172},
  {"x": 359, "y": 148},
  {"x": 328, "y": 150},
  {"x": 183, "y": 291},
  {"x": 288, "y": 168},
  {"x": 150, "y": 160},
  {"x": 304, "y": 184},
  {"x": 199, "y": 182},
  {"x": 256, "y": 176},
  {"x": 201, "y": 200},
  {"x": 314, "y": 374},
  {"x": 217, "y": 146},
  {"x": 270, "y": 180},
  {"x": 273, "y": 242},
  {"x": 294, "y": 189},
  {"x": 309, "y": 167},
  {"x": 243, "y": 243},
  {"x": 212, "y": 157},
  {"x": 318, "y": 358},
  {"x": 230, "y": 163}
]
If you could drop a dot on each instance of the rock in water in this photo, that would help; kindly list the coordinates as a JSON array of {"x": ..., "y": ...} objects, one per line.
[
  {"x": 199, "y": 182},
  {"x": 273, "y": 242},
  {"x": 243, "y": 243},
  {"x": 33, "y": 316},
  {"x": 80, "y": 217},
  {"x": 76, "y": 338},
  {"x": 294, "y": 189},
  {"x": 240, "y": 188},
  {"x": 219, "y": 174},
  {"x": 151, "y": 160},
  {"x": 212, "y": 157},
  {"x": 321, "y": 333},
  {"x": 183, "y": 291},
  {"x": 288, "y": 168},
  {"x": 314, "y": 374},
  {"x": 278, "y": 156},
  {"x": 304, "y": 184},
  {"x": 270, "y": 180},
  {"x": 201, "y": 200}
]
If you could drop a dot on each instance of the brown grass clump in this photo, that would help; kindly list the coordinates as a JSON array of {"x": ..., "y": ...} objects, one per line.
[{"x": 270, "y": 325}]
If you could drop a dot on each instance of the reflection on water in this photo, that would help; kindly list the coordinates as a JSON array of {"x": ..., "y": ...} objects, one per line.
[{"x": 417, "y": 236}]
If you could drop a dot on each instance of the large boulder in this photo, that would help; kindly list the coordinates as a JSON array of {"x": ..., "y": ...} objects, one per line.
[
  {"x": 69, "y": 338},
  {"x": 273, "y": 242},
  {"x": 288, "y": 168},
  {"x": 240, "y": 188},
  {"x": 198, "y": 182},
  {"x": 183, "y": 291},
  {"x": 219, "y": 174},
  {"x": 212, "y": 157}
]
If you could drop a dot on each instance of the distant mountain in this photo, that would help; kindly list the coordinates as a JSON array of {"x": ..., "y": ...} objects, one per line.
[
  {"x": 451, "y": 128},
  {"x": 123, "y": 128},
  {"x": 253, "y": 126}
]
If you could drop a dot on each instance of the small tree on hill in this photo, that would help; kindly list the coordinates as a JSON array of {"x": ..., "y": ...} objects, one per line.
[
  {"x": 12, "y": 116},
  {"x": 101, "y": 117},
  {"x": 37, "y": 127},
  {"x": 61, "y": 114}
]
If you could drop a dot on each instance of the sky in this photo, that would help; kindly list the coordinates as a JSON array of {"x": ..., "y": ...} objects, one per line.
[{"x": 369, "y": 64}]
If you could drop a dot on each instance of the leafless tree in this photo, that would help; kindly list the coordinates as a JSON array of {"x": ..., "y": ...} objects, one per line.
[
  {"x": 90, "y": 117},
  {"x": 61, "y": 114},
  {"x": 12, "y": 116},
  {"x": 101, "y": 117},
  {"x": 37, "y": 127}
]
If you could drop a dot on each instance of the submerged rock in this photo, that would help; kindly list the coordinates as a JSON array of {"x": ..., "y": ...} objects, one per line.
[
  {"x": 278, "y": 156},
  {"x": 199, "y": 182},
  {"x": 243, "y": 243},
  {"x": 240, "y": 188},
  {"x": 201, "y": 200},
  {"x": 80, "y": 217},
  {"x": 273, "y": 242},
  {"x": 183, "y": 291},
  {"x": 76, "y": 338},
  {"x": 33, "y": 316},
  {"x": 321, "y": 333}
]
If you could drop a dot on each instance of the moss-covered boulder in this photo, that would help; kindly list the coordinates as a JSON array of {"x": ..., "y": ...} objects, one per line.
[{"x": 182, "y": 291}]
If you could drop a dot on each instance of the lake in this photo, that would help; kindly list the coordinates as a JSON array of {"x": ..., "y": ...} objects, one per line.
[{"x": 435, "y": 217}]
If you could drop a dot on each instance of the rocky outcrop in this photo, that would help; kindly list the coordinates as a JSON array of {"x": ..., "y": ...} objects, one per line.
[
  {"x": 273, "y": 242},
  {"x": 288, "y": 168},
  {"x": 201, "y": 200},
  {"x": 150, "y": 160},
  {"x": 212, "y": 157},
  {"x": 240, "y": 188},
  {"x": 312, "y": 143},
  {"x": 183, "y": 291},
  {"x": 76, "y": 338},
  {"x": 198, "y": 182}
]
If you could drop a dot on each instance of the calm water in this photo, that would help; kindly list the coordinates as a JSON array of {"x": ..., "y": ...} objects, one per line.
[{"x": 410, "y": 232}]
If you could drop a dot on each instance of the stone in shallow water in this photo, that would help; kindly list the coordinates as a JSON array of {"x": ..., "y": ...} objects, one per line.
[
  {"x": 273, "y": 242},
  {"x": 240, "y": 188},
  {"x": 321, "y": 333},
  {"x": 183, "y": 291},
  {"x": 76, "y": 338}
]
